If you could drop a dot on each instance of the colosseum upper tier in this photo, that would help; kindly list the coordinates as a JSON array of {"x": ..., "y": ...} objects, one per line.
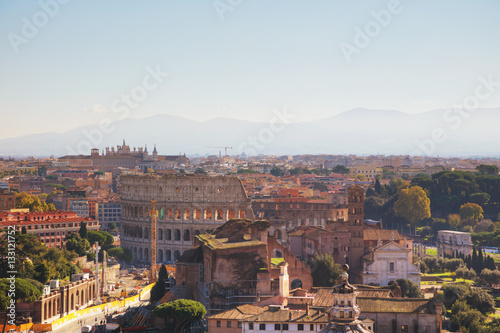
[{"x": 190, "y": 204}]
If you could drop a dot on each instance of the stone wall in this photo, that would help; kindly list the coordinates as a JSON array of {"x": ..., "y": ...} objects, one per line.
[{"x": 191, "y": 205}]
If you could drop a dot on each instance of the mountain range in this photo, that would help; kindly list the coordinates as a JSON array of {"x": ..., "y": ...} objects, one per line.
[{"x": 358, "y": 131}]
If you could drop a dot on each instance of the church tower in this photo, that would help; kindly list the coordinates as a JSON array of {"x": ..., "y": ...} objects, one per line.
[{"x": 356, "y": 216}]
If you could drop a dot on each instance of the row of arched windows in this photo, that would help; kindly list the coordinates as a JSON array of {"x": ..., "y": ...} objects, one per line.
[
  {"x": 162, "y": 255},
  {"x": 178, "y": 214},
  {"x": 161, "y": 234}
]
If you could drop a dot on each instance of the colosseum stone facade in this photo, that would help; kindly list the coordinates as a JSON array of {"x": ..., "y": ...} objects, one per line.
[{"x": 191, "y": 205}]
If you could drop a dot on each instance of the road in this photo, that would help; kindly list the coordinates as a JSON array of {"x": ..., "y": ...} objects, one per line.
[{"x": 75, "y": 327}]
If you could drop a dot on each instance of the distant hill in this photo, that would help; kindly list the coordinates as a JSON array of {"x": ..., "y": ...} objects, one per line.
[{"x": 357, "y": 131}]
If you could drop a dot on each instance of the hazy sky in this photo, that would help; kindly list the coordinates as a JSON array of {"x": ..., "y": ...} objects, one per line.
[{"x": 67, "y": 65}]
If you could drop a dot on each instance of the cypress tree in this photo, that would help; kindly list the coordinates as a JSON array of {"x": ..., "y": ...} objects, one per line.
[
  {"x": 83, "y": 230},
  {"x": 378, "y": 188},
  {"x": 480, "y": 261},
  {"x": 474, "y": 259}
]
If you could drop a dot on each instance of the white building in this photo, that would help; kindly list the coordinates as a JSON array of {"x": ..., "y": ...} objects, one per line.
[
  {"x": 390, "y": 262},
  {"x": 450, "y": 242}
]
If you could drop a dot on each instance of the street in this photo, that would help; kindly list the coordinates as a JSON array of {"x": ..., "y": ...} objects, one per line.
[{"x": 91, "y": 319}]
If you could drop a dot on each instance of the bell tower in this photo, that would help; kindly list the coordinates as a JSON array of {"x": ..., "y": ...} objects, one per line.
[{"x": 356, "y": 216}]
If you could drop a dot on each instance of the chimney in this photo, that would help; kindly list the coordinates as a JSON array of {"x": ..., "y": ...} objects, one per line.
[{"x": 284, "y": 280}]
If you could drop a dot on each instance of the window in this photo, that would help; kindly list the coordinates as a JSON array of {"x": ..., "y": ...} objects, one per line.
[
  {"x": 277, "y": 327},
  {"x": 262, "y": 327},
  {"x": 391, "y": 267},
  {"x": 311, "y": 327},
  {"x": 239, "y": 324},
  {"x": 285, "y": 327},
  {"x": 250, "y": 326},
  {"x": 218, "y": 323},
  {"x": 404, "y": 329},
  {"x": 300, "y": 327},
  {"x": 229, "y": 323}
]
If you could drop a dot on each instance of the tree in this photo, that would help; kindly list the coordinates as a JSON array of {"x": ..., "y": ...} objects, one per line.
[
  {"x": 183, "y": 311},
  {"x": 490, "y": 277},
  {"x": 78, "y": 244},
  {"x": 104, "y": 238},
  {"x": 24, "y": 291},
  {"x": 489, "y": 170},
  {"x": 158, "y": 289},
  {"x": 324, "y": 270},
  {"x": 465, "y": 319},
  {"x": 121, "y": 253},
  {"x": 409, "y": 288},
  {"x": 200, "y": 171},
  {"x": 320, "y": 187},
  {"x": 378, "y": 187},
  {"x": 361, "y": 177},
  {"x": 454, "y": 292},
  {"x": 277, "y": 172},
  {"x": 341, "y": 169},
  {"x": 480, "y": 299},
  {"x": 42, "y": 170},
  {"x": 83, "y": 230},
  {"x": 480, "y": 198},
  {"x": 24, "y": 231},
  {"x": 465, "y": 274},
  {"x": 42, "y": 273},
  {"x": 471, "y": 211},
  {"x": 413, "y": 205}
]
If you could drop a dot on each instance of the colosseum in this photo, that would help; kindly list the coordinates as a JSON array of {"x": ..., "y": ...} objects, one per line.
[{"x": 190, "y": 204}]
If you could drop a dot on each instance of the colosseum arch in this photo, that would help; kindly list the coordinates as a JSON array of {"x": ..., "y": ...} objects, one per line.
[
  {"x": 187, "y": 214},
  {"x": 177, "y": 235},
  {"x": 242, "y": 214},
  {"x": 135, "y": 253},
  {"x": 160, "y": 234},
  {"x": 169, "y": 213},
  {"x": 177, "y": 254},
  {"x": 207, "y": 214},
  {"x": 140, "y": 253},
  {"x": 231, "y": 214},
  {"x": 197, "y": 214},
  {"x": 187, "y": 235},
  {"x": 168, "y": 235},
  {"x": 168, "y": 255},
  {"x": 160, "y": 256},
  {"x": 146, "y": 254},
  {"x": 146, "y": 233},
  {"x": 219, "y": 215},
  {"x": 177, "y": 214}
]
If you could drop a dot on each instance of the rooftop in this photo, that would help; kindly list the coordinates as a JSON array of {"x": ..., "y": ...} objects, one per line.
[{"x": 223, "y": 243}]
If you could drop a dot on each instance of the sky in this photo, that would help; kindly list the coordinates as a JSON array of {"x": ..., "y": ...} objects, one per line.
[{"x": 65, "y": 64}]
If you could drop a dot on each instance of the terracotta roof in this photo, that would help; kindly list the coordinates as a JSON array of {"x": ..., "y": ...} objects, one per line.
[
  {"x": 396, "y": 305},
  {"x": 239, "y": 313},
  {"x": 287, "y": 315},
  {"x": 385, "y": 235},
  {"x": 324, "y": 296}
]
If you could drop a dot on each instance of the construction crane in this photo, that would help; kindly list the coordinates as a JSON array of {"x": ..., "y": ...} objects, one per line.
[
  {"x": 225, "y": 149},
  {"x": 153, "y": 213}
]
